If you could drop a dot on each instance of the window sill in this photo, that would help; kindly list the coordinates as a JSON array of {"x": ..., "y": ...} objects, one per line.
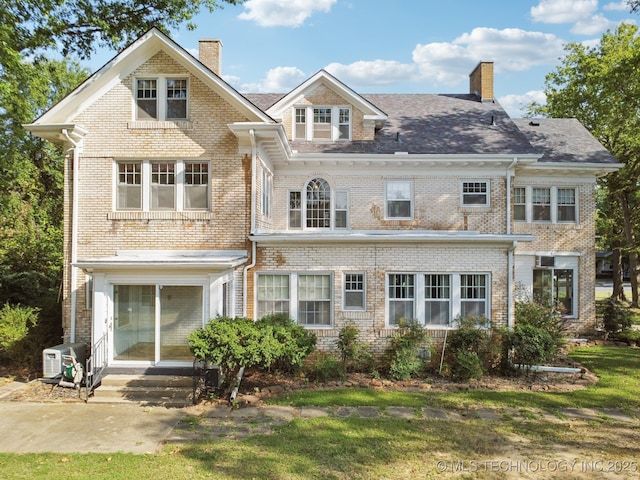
[
  {"x": 158, "y": 125},
  {"x": 161, "y": 215}
]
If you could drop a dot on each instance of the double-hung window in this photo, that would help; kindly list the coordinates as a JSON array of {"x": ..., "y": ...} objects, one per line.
[
  {"x": 162, "y": 185},
  {"x": 354, "y": 291},
  {"x": 545, "y": 204},
  {"x": 161, "y": 98},
  {"x": 475, "y": 194},
  {"x": 318, "y": 206},
  {"x": 323, "y": 123},
  {"x": 436, "y": 298},
  {"x": 399, "y": 199},
  {"x": 305, "y": 297}
]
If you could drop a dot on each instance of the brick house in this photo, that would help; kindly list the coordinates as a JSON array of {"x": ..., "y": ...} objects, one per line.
[{"x": 185, "y": 199}]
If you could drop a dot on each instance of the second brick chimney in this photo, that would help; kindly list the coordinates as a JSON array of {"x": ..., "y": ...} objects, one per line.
[
  {"x": 210, "y": 54},
  {"x": 481, "y": 81}
]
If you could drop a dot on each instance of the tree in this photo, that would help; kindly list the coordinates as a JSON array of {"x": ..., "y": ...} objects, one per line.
[
  {"x": 29, "y": 27},
  {"x": 31, "y": 188},
  {"x": 634, "y": 5},
  {"x": 600, "y": 86}
]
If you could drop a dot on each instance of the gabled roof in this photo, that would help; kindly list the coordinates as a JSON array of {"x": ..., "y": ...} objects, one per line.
[
  {"x": 323, "y": 77},
  {"x": 127, "y": 62}
]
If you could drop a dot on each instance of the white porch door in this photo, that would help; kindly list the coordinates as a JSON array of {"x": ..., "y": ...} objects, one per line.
[{"x": 152, "y": 322}]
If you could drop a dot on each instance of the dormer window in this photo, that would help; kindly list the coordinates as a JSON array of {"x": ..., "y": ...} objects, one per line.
[
  {"x": 322, "y": 123},
  {"x": 161, "y": 99}
]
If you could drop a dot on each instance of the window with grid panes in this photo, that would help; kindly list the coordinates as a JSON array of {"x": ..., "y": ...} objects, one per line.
[
  {"x": 196, "y": 186},
  {"x": 437, "y": 295},
  {"x": 146, "y": 99},
  {"x": 301, "y": 124},
  {"x": 322, "y": 123},
  {"x": 473, "y": 295},
  {"x": 354, "y": 293},
  {"x": 399, "y": 199},
  {"x": 163, "y": 186},
  {"x": 566, "y": 198},
  {"x": 314, "y": 300},
  {"x": 541, "y": 204},
  {"x": 295, "y": 209},
  {"x": 520, "y": 204},
  {"x": 475, "y": 193},
  {"x": 401, "y": 297},
  {"x": 129, "y": 195},
  {"x": 177, "y": 98},
  {"x": 273, "y": 294},
  {"x": 344, "y": 124},
  {"x": 318, "y": 204}
]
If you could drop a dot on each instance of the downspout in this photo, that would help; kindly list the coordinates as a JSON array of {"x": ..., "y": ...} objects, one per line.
[
  {"x": 510, "y": 319},
  {"x": 254, "y": 161},
  {"x": 74, "y": 235}
]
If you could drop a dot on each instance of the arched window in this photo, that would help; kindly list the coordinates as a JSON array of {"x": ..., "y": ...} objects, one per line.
[{"x": 318, "y": 204}]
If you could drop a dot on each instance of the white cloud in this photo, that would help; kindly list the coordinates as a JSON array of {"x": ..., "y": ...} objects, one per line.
[
  {"x": 594, "y": 25},
  {"x": 563, "y": 11},
  {"x": 620, "y": 6},
  {"x": 451, "y": 63},
  {"x": 278, "y": 13},
  {"x": 515, "y": 105},
  {"x": 277, "y": 80},
  {"x": 511, "y": 49},
  {"x": 376, "y": 72}
]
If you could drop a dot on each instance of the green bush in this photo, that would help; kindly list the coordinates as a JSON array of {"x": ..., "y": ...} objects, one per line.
[
  {"x": 233, "y": 343},
  {"x": 404, "y": 351},
  {"x": 295, "y": 343},
  {"x": 355, "y": 355},
  {"x": 325, "y": 367},
  {"x": 541, "y": 316},
  {"x": 629, "y": 336},
  {"x": 16, "y": 322},
  {"x": 530, "y": 345},
  {"x": 467, "y": 366},
  {"x": 616, "y": 317}
]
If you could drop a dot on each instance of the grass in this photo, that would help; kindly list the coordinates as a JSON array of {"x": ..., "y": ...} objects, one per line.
[
  {"x": 619, "y": 387},
  {"x": 383, "y": 447}
]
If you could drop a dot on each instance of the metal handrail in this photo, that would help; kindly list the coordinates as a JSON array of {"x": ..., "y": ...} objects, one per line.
[{"x": 96, "y": 364}]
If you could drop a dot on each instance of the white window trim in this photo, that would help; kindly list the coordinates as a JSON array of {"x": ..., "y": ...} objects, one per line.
[
  {"x": 364, "y": 292},
  {"x": 554, "y": 204},
  {"x": 411, "y": 200},
  {"x": 161, "y": 98},
  {"x": 419, "y": 299},
  {"x": 293, "y": 295},
  {"x": 267, "y": 192},
  {"x": 145, "y": 173},
  {"x": 476, "y": 205},
  {"x": 303, "y": 207},
  {"x": 335, "y": 122}
]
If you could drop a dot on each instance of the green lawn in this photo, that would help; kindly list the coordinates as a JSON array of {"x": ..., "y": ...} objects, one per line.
[
  {"x": 618, "y": 387},
  {"x": 388, "y": 448}
]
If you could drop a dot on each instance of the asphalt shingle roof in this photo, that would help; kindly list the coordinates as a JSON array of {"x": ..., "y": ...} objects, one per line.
[
  {"x": 460, "y": 124},
  {"x": 563, "y": 140}
]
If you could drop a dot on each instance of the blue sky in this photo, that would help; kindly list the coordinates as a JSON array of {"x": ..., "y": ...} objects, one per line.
[{"x": 401, "y": 46}]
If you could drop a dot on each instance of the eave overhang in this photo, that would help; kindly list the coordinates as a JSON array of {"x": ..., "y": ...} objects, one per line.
[
  {"x": 161, "y": 259},
  {"x": 55, "y": 132},
  {"x": 571, "y": 168},
  {"x": 389, "y": 236},
  {"x": 271, "y": 137}
]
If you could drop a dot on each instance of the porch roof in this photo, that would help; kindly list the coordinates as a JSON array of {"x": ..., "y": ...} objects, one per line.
[
  {"x": 194, "y": 259},
  {"x": 391, "y": 236}
]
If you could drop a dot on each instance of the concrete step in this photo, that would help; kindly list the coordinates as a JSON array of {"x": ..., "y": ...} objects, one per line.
[{"x": 166, "y": 390}]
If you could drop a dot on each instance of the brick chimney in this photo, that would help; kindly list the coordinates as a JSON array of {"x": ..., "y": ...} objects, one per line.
[
  {"x": 481, "y": 81},
  {"x": 210, "y": 54}
]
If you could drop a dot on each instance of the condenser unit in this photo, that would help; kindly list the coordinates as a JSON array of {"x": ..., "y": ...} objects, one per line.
[{"x": 52, "y": 364}]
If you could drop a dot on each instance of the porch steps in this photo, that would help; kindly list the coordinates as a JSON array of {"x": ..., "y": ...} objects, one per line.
[{"x": 165, "y": 390}]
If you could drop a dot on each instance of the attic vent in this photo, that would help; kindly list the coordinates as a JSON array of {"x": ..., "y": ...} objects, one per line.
[{"x": 534, "y": 123}]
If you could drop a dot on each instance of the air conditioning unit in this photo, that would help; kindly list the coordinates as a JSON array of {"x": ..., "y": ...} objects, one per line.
[
  {"x": 52, "y": 364},
  {"x": 542, "y": 261}
]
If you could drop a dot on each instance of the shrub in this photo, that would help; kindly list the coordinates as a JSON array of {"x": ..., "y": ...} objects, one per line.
[
  {"x": 295, "y": 342},
  {"x": 404, "y": 351},
  {"x": 355, "y": 355},
  {"x": 467, "y": 366},
  {"x": 16, "y": 322},
  {"x": 541, "y": 316},
  {"x": 530, "y": 345},
  {"x": 616, "y": 317},
  {"x": 233, "y": 343},
  {"x": 325, "y": 367}
]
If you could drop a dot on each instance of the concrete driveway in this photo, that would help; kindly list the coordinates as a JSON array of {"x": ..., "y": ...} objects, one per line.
[{"x": 84, "y": 427}]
